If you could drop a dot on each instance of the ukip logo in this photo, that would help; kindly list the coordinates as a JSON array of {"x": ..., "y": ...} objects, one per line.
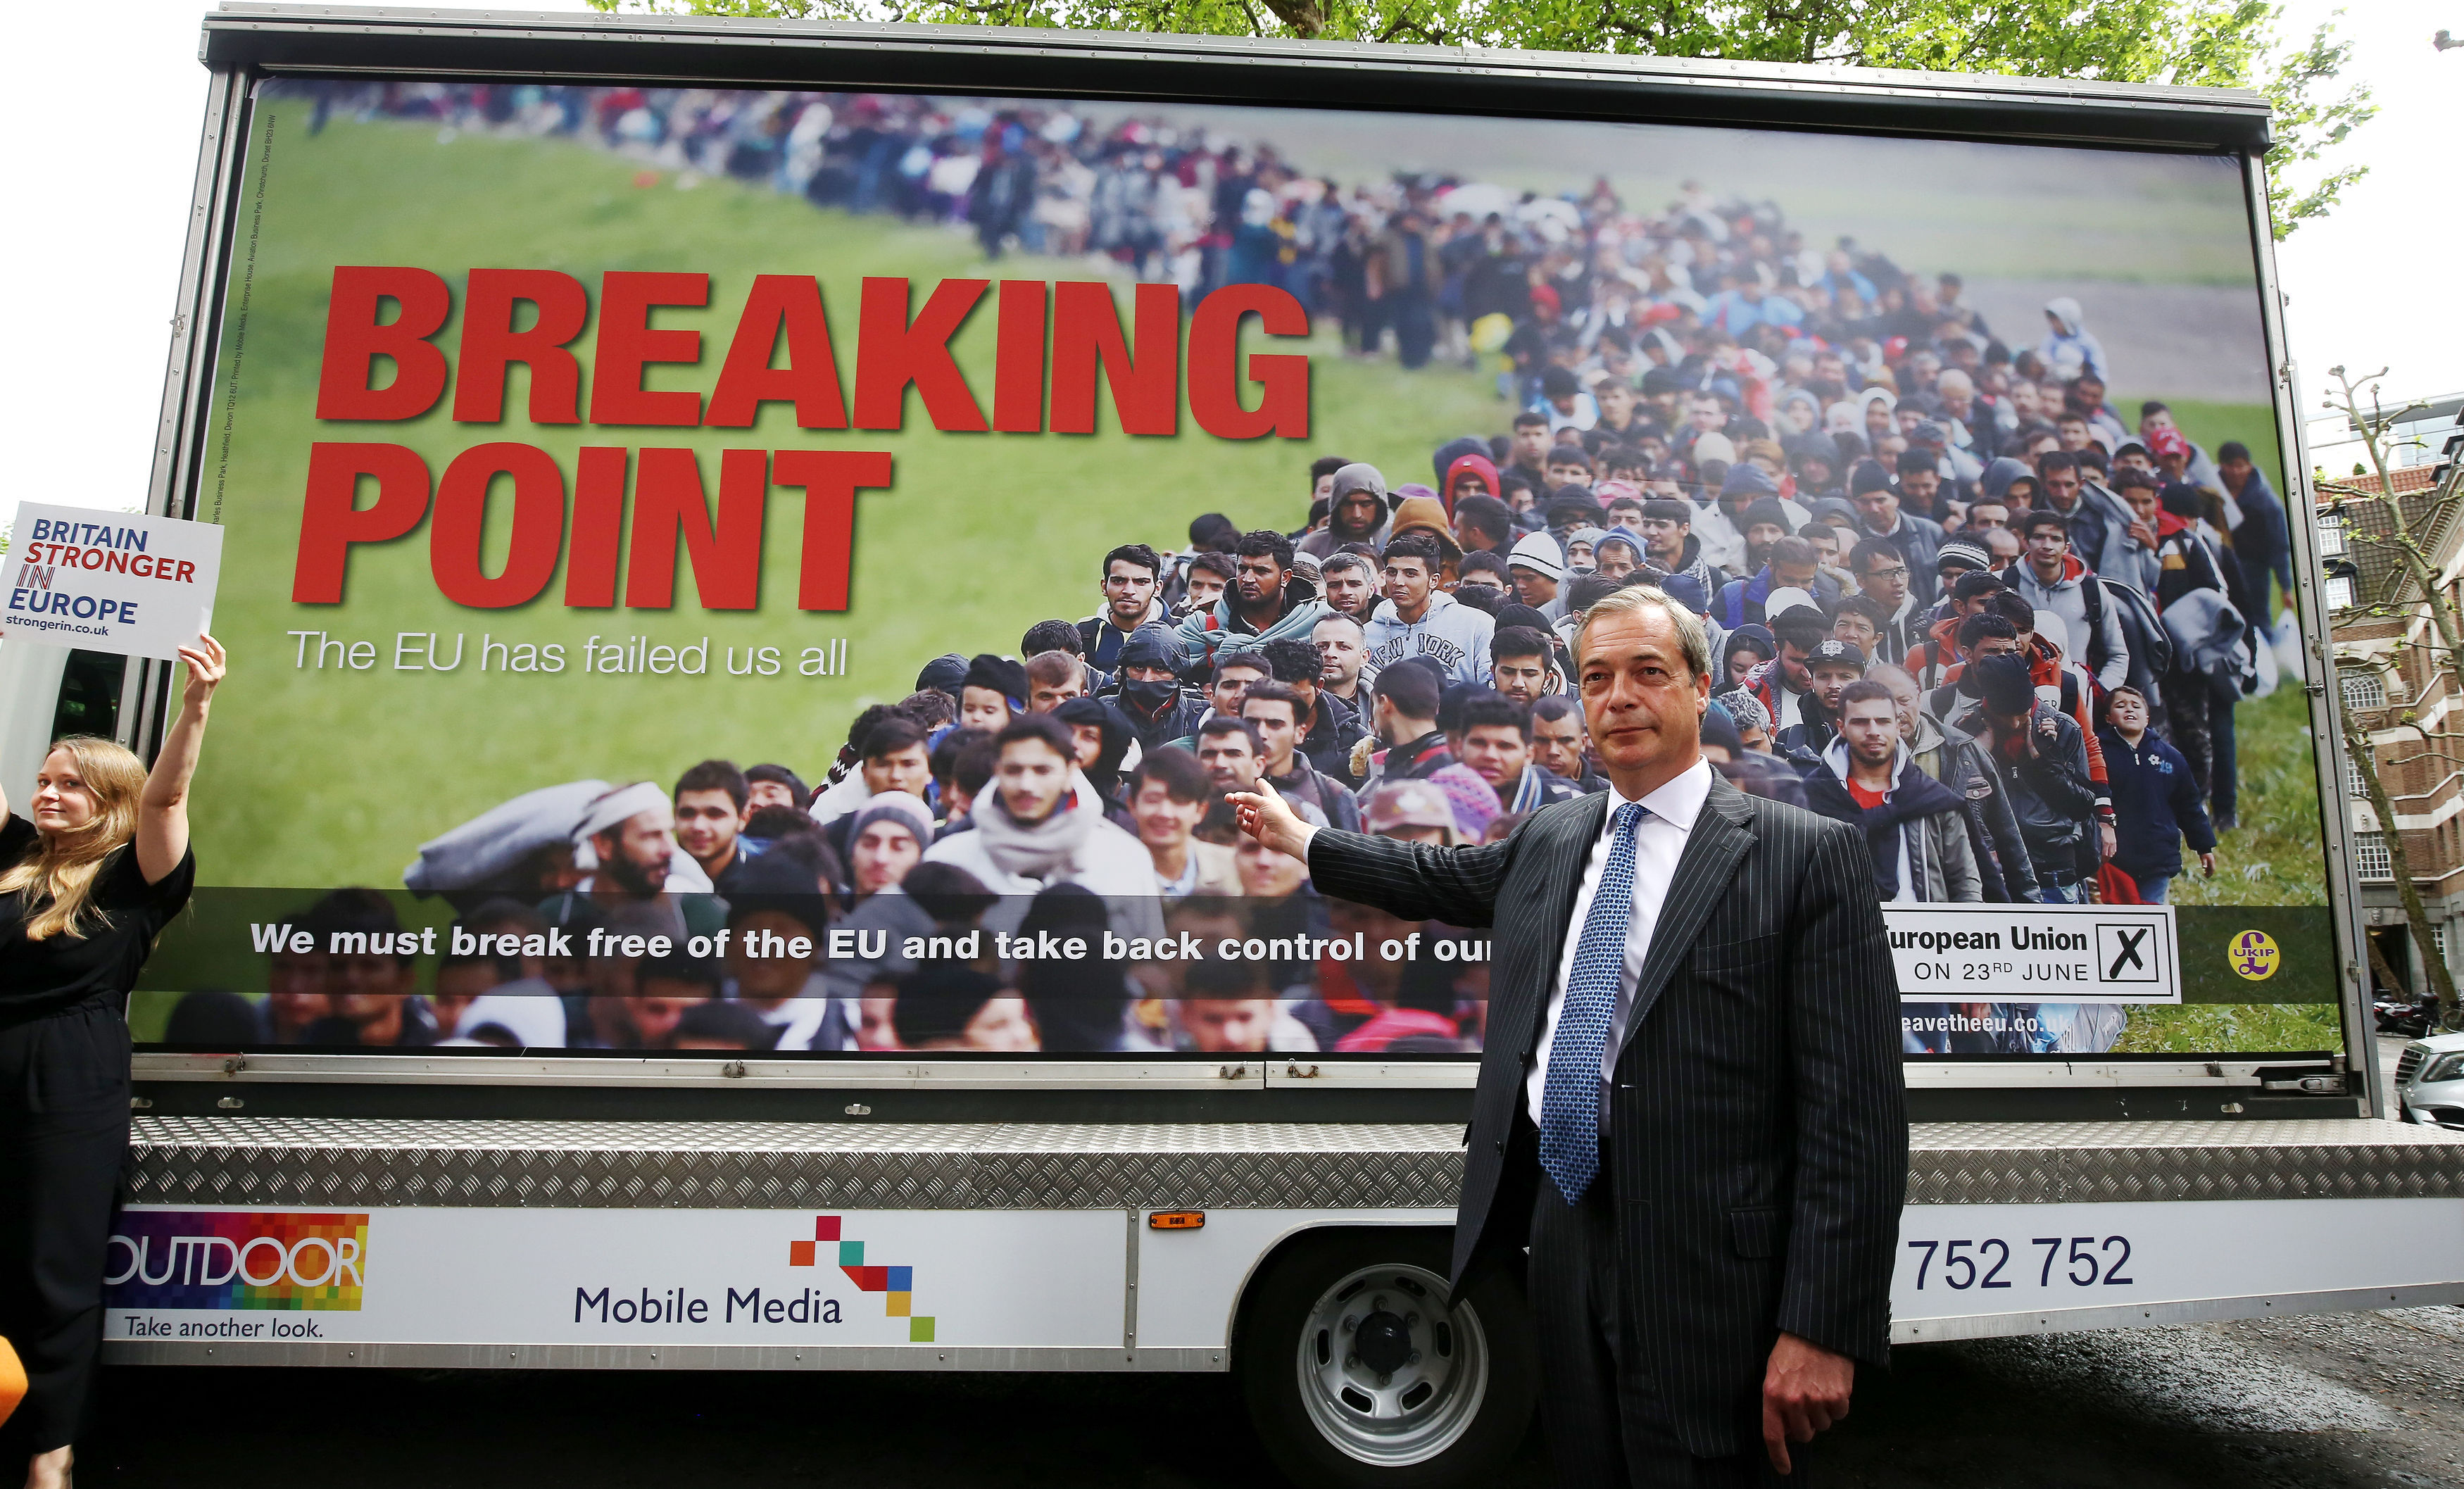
[{"x": 896, "y": 1282}]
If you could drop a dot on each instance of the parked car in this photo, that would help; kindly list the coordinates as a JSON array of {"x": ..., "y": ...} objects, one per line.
[{"x": 2430, "y": 1081}]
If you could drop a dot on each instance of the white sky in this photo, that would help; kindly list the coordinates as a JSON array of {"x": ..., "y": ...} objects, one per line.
[{"x": 96, "y": 264}]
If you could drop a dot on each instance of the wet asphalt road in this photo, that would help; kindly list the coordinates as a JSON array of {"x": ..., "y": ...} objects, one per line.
[{"x": 2323, "y": 1402}]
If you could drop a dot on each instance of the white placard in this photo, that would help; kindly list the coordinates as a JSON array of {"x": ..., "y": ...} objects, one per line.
[
  {"x": 1968, "y": 1260},
  {"x": 2035, "y": 953},
  {"x": 108, "y": 581}
]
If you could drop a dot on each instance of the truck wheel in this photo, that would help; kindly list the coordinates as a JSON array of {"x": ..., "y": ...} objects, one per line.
[{"x": 1359, "y": 1371}]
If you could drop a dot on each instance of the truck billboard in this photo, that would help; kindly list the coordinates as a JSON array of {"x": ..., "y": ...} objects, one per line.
[{"x": 568, "y": 439}]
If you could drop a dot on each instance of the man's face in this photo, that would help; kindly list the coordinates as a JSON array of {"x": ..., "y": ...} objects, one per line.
[
  {"x": 1531, "y": 586},
  {"x": 636, "y": 853},
  {"x": 1871, "y": 727},
  {"x": 1994, "y": 647},
  {"x": 2142, "y": 503},
  {"x": 1359, "y": 514},
  {"x": 1261, "y": 579},
  {"x": 1163, "y": 822},
  {"x": 1905, "y": 701},
  {"x": 1277, "y": 729},
  {"x": 1759, "y": 538},
  {"x": 1471, "y": 483},
  {"x": 1339, "y": 653},
  {"x": 1323, "y": 487},
  {"x": 1045, "y": 697},
  {"x": 1884, "y": 581},
  {"x": 296, "y": 990},
  {"x": 707, "y": 823},
  {"x": 1705, "y": 415},
  {"x": 767, "y": 793},
  {"x": 2128, "y": 712},
  {"x": 1231, "y": 685},
  {"x": 1922, "y": 486},
  {"x": 1146, "y": 674},
  {"x": 1666, "y": 536},
  {"x": 1617, "y": 560},
  {"x": 1532, "y": 441},
  {"x": 984, "y": 708},
  {"x": 2134, "y": 459},
  {"x": 1557, "y": 745},
  {"x": 1792, "y": 667},
  {"x": 1567, "y": 473},
  {"x": 659, "y": 1007},
  {"x": 2236, "y": 472},
  {"x": 1128, "y": 589},
  {"x": 2155, "y": 419},
  {"x": 1227, "y": 1025},
  {"x": 1032, "y": 776},
  {"x": 1496, "y": 753},
  {"x": 1879, "y": 510},
  {"x": 1984, "y": 517},
  {"x": 1348, "y": 592},
  {"x": 1407, "y": 583},
  {"x": 883, "y": 853},
  {"x": 1615, "y": 400},
  {"x": 2048, "y": 545},
  {"x": 1483, "y": 579},
  {"x": 365, "y": 989},
  {"x": 908, "y": 770},
  {"x": 1830, "y": 680},
  {"x": 1204, "y": 589},
  {"x": 2061, "y": 487},
  {"x": 1855, "y": 630},
  {"x": 1231, "y": 764},
  {"x": 1799, "y": 576},
  {"x": 1087, "y": 744},
  {"x": 1625, "y": 512},
  {"x": 2073, "y": 432},
  {"x": 1523, "y": 679},
  {"x": 1825, "y": 539},
  {"x": 1267, "y": 873},
  {"x": 1644, "y": 704}
]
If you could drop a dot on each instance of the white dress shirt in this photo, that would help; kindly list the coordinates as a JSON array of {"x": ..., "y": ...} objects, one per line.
[{"x": 1659, "y": 842}]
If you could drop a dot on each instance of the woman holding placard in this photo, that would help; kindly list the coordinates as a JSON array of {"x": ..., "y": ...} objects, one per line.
[{"x": 85, "y": 887}]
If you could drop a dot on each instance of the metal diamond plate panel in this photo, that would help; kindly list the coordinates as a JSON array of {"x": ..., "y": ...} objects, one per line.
[
  {"x": 320, "y": 1161},
  {"x": 789, "y": 1166}
]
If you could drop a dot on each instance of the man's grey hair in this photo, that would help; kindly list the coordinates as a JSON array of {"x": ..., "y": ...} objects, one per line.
[{"x": 1635, "y": 599}]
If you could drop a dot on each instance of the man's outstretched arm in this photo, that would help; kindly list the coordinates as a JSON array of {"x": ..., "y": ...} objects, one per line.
[{"x": 1409, "y": 880}]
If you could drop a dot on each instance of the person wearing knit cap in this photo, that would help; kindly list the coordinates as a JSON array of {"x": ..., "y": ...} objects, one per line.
[
  {"x": 1537, "y": 565},
  {"x": 1763, "y": 523},
  {"x": 1618, "y": 553},
  {"x": 1878, "y": 516},
  {"x": 1472, "y": 474},
  {"x": 779, "y": 901},
  {"x": 994, "y": 693},
  {"x": 946, "y": 673},
  {"x": 886, "y": 837},
  {"x": 1357, "y": 512},
  {"x": 1583, "y": 544},
  {"x": 2041, "y": 757},
  {"x": 1427, "y": 516},
  {"x": 1835, "y": 664}
]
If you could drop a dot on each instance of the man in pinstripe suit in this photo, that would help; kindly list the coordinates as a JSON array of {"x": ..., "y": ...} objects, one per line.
[{"x": 1690, "y": 1107}]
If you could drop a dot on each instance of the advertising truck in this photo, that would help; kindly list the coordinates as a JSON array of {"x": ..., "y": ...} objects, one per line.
[{"x": 642, "y": 447}]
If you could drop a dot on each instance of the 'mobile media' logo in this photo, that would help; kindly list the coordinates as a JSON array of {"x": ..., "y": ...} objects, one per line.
[{"x": 211, "y": 1258}]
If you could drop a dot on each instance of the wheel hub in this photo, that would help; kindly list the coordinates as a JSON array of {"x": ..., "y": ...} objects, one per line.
[{"x": 1383, "y": 1342}]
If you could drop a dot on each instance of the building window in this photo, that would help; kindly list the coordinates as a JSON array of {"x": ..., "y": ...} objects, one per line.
[
  {"x": 2363, "y": 689},
  {"x": 2339, "y": 592},
  {"x": 2353, "y": 786},
  {"x": 2331, "y": 536},
  {"x": 2438, "y": 939},
  {"x": 2370, "y": 857}
]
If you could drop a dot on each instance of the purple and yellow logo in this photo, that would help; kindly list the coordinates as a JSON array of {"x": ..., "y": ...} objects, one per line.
[
  {"x": 897, "y": 1282},
  {"x": 219, "y": 1258}
]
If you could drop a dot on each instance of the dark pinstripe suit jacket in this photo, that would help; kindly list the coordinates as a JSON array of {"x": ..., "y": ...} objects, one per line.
[{"x": 1757, "y": 1128}]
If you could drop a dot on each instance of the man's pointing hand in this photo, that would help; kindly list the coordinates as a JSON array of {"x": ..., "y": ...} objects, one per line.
[{"x": 1264, "y": 814}]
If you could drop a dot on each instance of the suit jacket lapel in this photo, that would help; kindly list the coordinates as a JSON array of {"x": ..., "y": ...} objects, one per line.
[
  {"x": 1564, "y": 854},
  {"x": 1719, "y": 839}
]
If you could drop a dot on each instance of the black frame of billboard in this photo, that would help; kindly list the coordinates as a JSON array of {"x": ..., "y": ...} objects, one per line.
[{"x": 247, "y": 41}]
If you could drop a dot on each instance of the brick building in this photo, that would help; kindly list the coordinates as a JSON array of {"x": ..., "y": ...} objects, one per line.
[{"x": 2392, "y": 676}]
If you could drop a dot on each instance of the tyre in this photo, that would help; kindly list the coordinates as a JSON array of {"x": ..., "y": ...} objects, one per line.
[{"x": 1358, "y": 1368}]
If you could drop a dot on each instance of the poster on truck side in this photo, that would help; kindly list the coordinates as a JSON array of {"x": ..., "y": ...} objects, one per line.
[{"x": 644, "y": 509}]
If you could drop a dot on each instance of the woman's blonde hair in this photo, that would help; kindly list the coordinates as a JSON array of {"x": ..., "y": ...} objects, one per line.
[{"x": 57, "y": 882}]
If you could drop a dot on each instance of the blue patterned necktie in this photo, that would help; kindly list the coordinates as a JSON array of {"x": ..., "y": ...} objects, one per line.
[{"x": 1570, "y": 1099}]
